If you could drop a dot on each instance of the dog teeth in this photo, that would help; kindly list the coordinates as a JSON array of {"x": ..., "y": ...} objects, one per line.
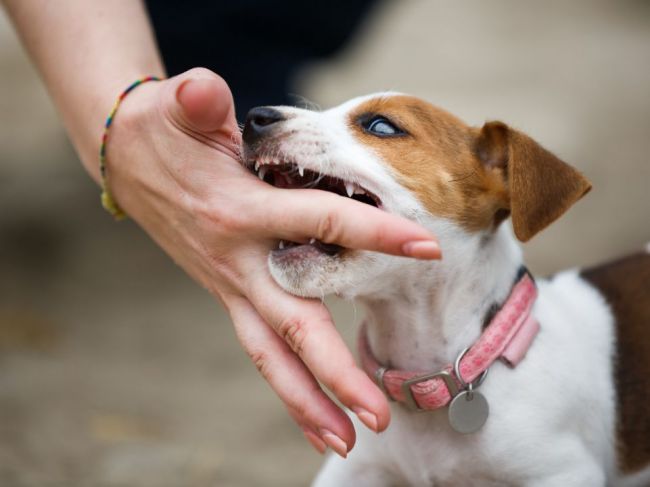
[
  {"x": 281, "y": 246},
  {"x": 312, "y": 241},
  {"x": 263, "y": 163}
]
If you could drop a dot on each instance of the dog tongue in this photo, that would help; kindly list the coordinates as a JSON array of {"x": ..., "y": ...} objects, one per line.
[{"x": 282, "y": 181}]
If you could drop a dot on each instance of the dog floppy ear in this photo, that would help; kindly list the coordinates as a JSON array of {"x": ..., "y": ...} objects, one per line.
[{"x": 541, "y": 187}]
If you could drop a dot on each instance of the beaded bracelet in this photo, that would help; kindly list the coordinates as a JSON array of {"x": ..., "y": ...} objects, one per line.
[{"x": 108, "y": 202}]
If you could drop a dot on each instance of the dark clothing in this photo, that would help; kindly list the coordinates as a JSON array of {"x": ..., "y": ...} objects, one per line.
[{"x": 255, "y": 45}]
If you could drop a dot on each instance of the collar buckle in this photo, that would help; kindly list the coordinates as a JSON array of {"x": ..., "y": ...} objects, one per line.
[{"x": 409, "y": 398}]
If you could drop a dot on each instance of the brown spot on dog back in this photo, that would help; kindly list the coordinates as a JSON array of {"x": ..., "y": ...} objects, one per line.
[
  {"x": 625, "y": 285},
  {"x": 434, "y": 159}
]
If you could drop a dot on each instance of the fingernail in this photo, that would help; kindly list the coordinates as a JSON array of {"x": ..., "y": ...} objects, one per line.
[
  {"x": 334, "y": 442},
  {"x": 315, "y": 441},
  {"x": 366, "y": 417},
  {"x": 424, "y": 249}
]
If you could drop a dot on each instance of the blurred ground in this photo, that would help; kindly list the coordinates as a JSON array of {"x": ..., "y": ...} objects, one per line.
[{"x": 116, "y": 370}]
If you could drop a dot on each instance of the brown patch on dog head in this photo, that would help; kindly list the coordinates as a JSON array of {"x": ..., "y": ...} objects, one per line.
[
  {"x": 474, "y": 177},
  {"x": 433, "y": 158}
]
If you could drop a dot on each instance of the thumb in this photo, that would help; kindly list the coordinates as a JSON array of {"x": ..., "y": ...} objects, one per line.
[{"x": 202, "y": 102}]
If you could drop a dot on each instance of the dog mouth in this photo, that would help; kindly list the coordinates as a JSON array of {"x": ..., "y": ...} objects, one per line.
[{"x": 291, "y": 175}]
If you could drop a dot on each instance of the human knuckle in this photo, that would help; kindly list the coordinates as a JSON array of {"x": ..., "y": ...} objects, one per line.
[
  {"x": 259, "y": 358},
  {"x": 329, "y": 227},
  {"x": 293, "y": 332}
]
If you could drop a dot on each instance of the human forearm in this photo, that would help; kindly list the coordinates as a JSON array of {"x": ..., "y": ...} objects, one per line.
[
  {"x": 86, "y": 52},
  {"x": 173, "y": 168}
]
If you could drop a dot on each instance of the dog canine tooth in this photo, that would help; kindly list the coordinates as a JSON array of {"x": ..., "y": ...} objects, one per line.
[
  {"x": 281, "y": 245},
  {"x": 257, "y": 165},
  {"x": 262, "y": 173},
  {"x": 349, "y": 188},
  {"x": 312, "y": 240},
  {"x": 301, "y": 171}
]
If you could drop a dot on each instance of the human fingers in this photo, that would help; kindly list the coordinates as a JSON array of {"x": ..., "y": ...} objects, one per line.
[
  {"x": 301, "y": 214},
  {"x": 307, "y": 327},
  {"x": 201, "y": 103},
  {"x": 320, "y": 419}
]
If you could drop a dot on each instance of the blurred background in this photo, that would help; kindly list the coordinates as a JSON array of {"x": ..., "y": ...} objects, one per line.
[{"x": 117, "y": 370}]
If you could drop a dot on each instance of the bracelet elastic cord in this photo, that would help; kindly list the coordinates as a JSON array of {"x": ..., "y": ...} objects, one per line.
[{"x": 108, "y": 202}]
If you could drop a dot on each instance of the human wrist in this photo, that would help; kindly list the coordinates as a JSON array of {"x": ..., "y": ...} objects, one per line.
[
  {"x": 86, "y": 128},
  {"x": 87, "y": 53},
  {"x": 107, "y": 199}
]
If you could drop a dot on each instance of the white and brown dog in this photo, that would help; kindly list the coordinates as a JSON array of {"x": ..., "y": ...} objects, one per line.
[{"x": 575, "y": 410}]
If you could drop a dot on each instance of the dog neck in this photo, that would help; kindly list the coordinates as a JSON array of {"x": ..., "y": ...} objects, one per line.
[{"x": 436, "y": 309}]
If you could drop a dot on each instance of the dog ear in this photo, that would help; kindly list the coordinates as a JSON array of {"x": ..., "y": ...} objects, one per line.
[{"x": 541, "y": 187}]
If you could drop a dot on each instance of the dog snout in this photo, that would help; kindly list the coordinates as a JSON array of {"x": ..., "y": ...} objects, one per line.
[{"x": 260, "y": 122}]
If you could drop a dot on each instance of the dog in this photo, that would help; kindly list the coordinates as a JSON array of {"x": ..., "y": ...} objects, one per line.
[{"x": 496, "y": 379}]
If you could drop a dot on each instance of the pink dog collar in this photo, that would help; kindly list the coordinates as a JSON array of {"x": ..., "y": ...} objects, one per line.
[{"x": 508, "y": 337}]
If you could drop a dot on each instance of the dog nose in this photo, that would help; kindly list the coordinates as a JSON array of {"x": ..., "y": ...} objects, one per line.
[{"x": 259, "y": 122}]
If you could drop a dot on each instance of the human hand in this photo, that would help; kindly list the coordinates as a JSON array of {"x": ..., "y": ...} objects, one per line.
[{"x": 172, "y": 166}]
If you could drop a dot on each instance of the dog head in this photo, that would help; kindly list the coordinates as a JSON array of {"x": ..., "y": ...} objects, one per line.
[{"x": 407, "y": 157}]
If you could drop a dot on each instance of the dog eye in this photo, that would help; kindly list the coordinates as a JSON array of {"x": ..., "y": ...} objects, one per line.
[{"x": 382, "y": 127}]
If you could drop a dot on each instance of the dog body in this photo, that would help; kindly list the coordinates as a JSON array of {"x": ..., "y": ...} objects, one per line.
[{"x": 553, "y": 417}]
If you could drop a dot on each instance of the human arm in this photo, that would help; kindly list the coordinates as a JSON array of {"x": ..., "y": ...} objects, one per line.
[
  {"x": 172, "y": 168},
  {"x": 86, "y": 52}
]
